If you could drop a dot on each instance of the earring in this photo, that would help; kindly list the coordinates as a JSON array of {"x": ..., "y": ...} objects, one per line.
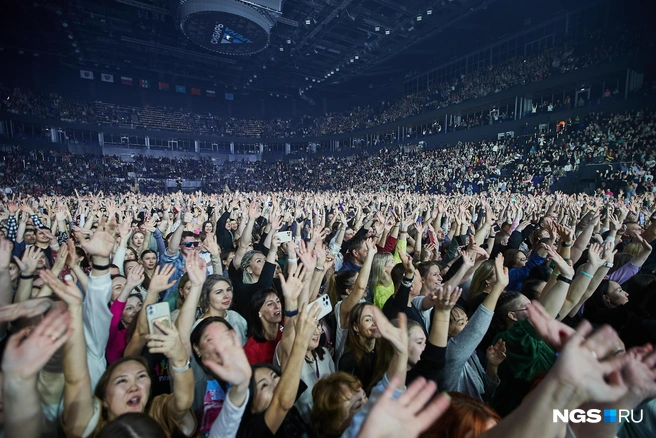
[{"x": 259, "y": 315}]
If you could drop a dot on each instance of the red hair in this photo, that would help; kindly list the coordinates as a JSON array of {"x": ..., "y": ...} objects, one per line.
[{"x": 466, "y": 415}]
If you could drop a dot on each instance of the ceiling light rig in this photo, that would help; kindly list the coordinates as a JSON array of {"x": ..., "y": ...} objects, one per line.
[
  {"x": 429, "y": 12},
  {"x": 419, "y": 17}
]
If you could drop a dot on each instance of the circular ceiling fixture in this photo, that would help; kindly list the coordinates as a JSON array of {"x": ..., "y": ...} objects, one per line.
[{"x": 229, "y": 27}]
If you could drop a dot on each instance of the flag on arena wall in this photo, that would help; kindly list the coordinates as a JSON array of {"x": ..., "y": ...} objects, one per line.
[
  {"x": 105, "y": 77},
  {"x": 164, "y": 86},
  {"x": 86, "y": 74},
  {"x": 180, "y": 89},
  {"x": 144, "y": 83},
  {"x": 126, "y": 81},
  {"x": 229, "y": 96},
  {"x": 195, "y": 91},
  {"x": 210, "y": 93}
]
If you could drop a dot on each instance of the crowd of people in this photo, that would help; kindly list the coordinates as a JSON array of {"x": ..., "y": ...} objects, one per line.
[
  {"x": 519, "y": 70},
  {"x": 326, "y": 313},
  {"x": 621, "y": 144}
]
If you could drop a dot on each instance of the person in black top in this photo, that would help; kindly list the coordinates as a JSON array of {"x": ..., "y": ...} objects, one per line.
[
  {"x": 406, "y": 288},
  {"x": 270, "y": 410},
  {"x": 427, "y": 359},
  {"x": 251, "y": 271},
  {"x": 361, "y": 345}
]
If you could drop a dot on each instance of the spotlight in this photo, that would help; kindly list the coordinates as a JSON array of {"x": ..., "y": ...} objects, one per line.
[
  {"x": 352, "y": 60},
  {"x": 429, "y": 12},
  {"x": 337, "y": 69},
  {"x": 308, "y": 22},
  {"x": 357, "y": 57},
  {"x": 282, "y": 49},
  {"x": 387, "y": 32},
  {"x": 289, "y": 41},
  {"x": 419, "y": 17},
  {"x": 377, "y": 28}
]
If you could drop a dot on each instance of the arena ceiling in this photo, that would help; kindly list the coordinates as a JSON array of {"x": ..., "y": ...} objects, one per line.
[{"x": 314, "y": 45}]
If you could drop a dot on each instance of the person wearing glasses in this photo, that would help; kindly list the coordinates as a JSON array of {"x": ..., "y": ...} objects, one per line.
[
  {"x": 519, "y": 265},
  {"x": 181, "y": 244}
]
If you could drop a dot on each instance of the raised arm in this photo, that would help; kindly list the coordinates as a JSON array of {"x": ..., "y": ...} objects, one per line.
[
  {"x": 360, "y": 285},
  {"x": 247, "y": 235},
  {"x": 284, "y": 395},
  {"x": 26, "y": 353},
  {"x": 176, "y": 238},
  {"x": 78, "y": 396}
]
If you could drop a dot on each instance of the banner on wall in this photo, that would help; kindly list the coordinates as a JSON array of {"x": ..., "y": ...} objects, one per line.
[
  {"x": 126, "y": 80},
  {"x": 86, "y": 74},
  {"x": 105, "y": 77}
]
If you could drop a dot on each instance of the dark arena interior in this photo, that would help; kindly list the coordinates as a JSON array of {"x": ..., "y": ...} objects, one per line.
[{"x": 327, "y": 218}]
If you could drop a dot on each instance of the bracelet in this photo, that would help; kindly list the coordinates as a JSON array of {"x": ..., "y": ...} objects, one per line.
[
  {"x": 319, "y": 269},
  {"x": 183, "y": 369},
  {"x": 26, "y": 277},
  {"x": 608, "y": 265},
  {"x": 585, "y": 274},
  {"x": 291, "y": 313},
  {"x": 407, "y": 281},
  {"x": 564, "y": 279},
  {"x": 101, "y": 267},
  {"x": 565, "y": 245}
]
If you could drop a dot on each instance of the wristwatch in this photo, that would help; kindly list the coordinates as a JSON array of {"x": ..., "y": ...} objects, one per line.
[
  {"x": 608, "y": 265},
  {"x": 182, "y": 369}
]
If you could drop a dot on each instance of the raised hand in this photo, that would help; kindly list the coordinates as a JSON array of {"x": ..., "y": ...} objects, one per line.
[
  {"x": 231, "y": 364},
  {"x": 639, "y": 373},
  {"x": 27, "y": 353},
  {"x": 397, "y": 336},
  {"x": 168, "y": 343},
  {"x": 211, "y": 245},
  {"x": 66, "y": 290},
  {"x": 5, "y": 253},
  {"x": 25, "y": 309},
  {"x": 445, "y": 298},
  {"x": 308, "y": 259},
  {"x": 409, "y": 415},
  {"x": 195, "y": 269},
  {"x": 60, "y": 261},
  {"x": 135, "y": 276},
  {"x": 292, "y": 287},
  {"x": 584, "y": 364},
  {"x": 496, "y": 353},
  {"x": 306, "y": 323},
  {"x": 160, "y": 280},
  {"x": 101, "y": 242},
  {"x": 554, "y": 332},
  {"x": 30, "y": 260},
  {"x": 500, "y": 271}
]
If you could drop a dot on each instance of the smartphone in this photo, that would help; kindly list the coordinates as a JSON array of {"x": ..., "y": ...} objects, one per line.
[
  {"x": 285, "y": 236},
  {"x": 341, "y": 207},
  {"x": 642, "y": 219},
  {"x": 324, "y": 302},
  {"x": 160, "y": 313},
  {"x": 420, "y": 219}
]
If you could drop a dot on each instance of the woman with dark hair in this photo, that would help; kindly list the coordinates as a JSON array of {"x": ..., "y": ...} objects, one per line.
[
  {"x": 148, "y": 260},
  {"x": 318, "y": 362},
  {"x": 208, "y": 227},
  {"x": 608, "y": 305},
  {"x": 361, "y": 344},
  {"x": 125, "y": 386},
  {"x": 124, "y": 310},
  {"x": 270, "y": 410},
  {"x": 265, "y": 329},
  {"x": 466, "y": 417},
  {"x": 132, "y": 425},
  {"x": 251, "y": 271},
  {"x": 349, "y": 288}
]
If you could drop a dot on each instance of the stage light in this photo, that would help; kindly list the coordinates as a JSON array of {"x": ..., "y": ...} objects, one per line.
[{"x": 387, "y": 32}]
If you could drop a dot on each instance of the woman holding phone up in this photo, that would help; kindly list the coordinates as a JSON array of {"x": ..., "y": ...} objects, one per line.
[{"x": 126, "y": 384}]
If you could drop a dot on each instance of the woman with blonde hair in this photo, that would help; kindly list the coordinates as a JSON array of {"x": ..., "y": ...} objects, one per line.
[
  {"x": 483, "y": 281},
  {"x": 380, "y": 281}
]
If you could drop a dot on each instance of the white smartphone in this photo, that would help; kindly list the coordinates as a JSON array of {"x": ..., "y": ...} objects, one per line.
[
  {"x": 160, "y": 313},
  {"x": 324, "y": 302},
  {"x": 285, "y": 236}
]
